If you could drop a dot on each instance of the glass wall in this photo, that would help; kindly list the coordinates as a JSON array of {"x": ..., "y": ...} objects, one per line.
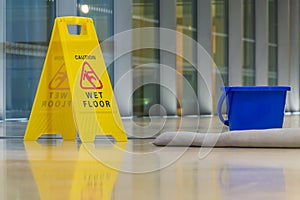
[
  {"x": 145, "y": 62},
  {"x": 186, "y": 23},
  {"x": 28, "y": 29},
  {"x": 220, "y": 37},
  {"x": 273, "y": 42},
  {"x": 102, "y": 14},
  {"x": 249, "y": 42}
]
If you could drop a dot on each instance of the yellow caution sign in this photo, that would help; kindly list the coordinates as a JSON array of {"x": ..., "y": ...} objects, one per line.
[{"x": 75, "y": 90}]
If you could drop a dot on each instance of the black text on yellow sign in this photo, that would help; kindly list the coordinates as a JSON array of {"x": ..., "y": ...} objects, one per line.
[{"x": 74, "y": 94}]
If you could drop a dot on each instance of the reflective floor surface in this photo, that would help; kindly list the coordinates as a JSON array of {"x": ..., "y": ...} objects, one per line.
[{"x": 51, "y": 168}]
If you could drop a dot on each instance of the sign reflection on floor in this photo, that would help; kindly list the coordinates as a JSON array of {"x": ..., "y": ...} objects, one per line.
[{"x": 67, "y": 170}]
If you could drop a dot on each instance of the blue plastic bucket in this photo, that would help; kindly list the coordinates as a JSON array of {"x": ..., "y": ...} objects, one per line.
[{"x": 253, "y": 107}]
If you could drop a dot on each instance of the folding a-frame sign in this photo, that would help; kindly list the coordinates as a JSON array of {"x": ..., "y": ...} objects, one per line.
[{"x": 75, "y": 93}]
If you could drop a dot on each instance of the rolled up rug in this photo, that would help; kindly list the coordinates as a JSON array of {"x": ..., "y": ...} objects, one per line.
[{"x": 276, "y": 138}]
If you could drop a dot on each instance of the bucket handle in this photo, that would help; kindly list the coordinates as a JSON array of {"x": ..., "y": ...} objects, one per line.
[{"x": 219, "y": 109}]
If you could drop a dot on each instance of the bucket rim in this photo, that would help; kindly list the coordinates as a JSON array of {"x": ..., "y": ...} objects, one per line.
[{"x": 256, "y": 88}]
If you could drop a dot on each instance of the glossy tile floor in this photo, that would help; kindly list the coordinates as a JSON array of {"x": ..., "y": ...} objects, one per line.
[{"x": 55, "y": 169}]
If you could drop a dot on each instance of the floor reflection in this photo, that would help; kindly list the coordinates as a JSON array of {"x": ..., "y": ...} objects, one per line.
[
  {"x": 236, "y": 180},
  {"x": 67, "y": 170},
  {"x": 55, "y": 169}
]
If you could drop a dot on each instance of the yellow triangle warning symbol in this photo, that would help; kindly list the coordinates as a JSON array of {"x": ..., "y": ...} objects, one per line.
[
  {"x": 60, "y": 80},
  {"x": 89, "y": 79}
]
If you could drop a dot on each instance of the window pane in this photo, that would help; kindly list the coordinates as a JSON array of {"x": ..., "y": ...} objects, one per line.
[
  {"x": 28, "y": 29},
  {"x": 220, "y": 16},
  {"x": 273, "y": 43},
  {"x": 185, "y": 23},
  {"x": 249, "y": 43},
  {"x": 102, "y": 14},
  {"x": 249, "y": 63},
  {"x": 249, "y": 19},
  {"x": 272, "y": 65},
  {"x": 145, "y": 61},
  {"x": 220, "y": 37},
  {"x": 273, "y": 21}
]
